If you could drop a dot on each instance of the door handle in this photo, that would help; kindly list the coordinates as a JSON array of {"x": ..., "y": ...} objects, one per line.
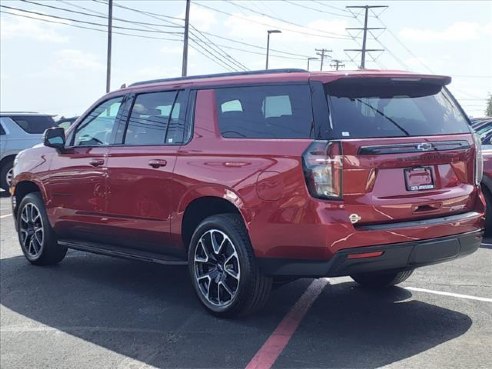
[
  {"x": 157, "y": 163},
  {"x": 96, "y": 162}
]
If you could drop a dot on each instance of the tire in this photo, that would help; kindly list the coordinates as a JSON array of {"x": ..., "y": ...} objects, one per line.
[
  {"x": 488, "y": 212},
  {"x": 4, "y": 173},
  {"x": 381, "y": 279},
  {"x": 224, "y": 273},
  {"x": 36, "y": 237}
]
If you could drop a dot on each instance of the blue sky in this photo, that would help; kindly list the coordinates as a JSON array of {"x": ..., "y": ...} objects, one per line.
[{"x": 59, "y": 69}]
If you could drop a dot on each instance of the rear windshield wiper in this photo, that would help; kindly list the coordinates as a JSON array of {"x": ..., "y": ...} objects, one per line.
[{"x": 384, "y": 116}]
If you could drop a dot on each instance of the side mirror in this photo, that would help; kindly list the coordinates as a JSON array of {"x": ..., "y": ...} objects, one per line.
[{"x": 54, "y": 137}]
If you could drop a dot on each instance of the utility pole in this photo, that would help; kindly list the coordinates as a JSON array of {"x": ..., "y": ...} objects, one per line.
[
  {"x": 110, "y": 41},
  {"x": 337, "y": 64},
  {"x": 364, "y": 49},
  {"x": 184, "y": 68},
  {"x": 322, "y": 54}
]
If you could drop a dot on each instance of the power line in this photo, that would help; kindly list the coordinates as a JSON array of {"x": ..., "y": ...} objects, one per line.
[
  {"x": 259, "y": 53},
  {"x": 80, "y": 7},
  {"x": 287, "y": 21},
  {"x": 304, "y": 6},
  {"x": 403, "y": 45},
  {"x": 255, "y": 46},
  {"x": 331, "y": 6},
  {"x": 204, "y": 51},
  {"x": 159, "y": 16},
  {"x": 216, "y": 47},
  {"x": 97, "y": 16},
  {"x": 87, "y": 22},
  {"x": 263, "y": 23},
  {"x": 86, "y": 28},
  {"x": 364, "y": 49}
]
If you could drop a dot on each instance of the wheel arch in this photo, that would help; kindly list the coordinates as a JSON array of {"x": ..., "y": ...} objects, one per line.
[
  {"x": 198, "y": 207},
  {"x": 24, "y": 187}
]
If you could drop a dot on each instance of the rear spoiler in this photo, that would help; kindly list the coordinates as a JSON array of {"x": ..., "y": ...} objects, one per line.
[
  {"x": 366, "y": 85},
  {"x": 375, "y": 78}
]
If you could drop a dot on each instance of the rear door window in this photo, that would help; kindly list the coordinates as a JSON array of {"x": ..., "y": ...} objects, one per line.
[
  {"x": 156, "y": 118},
  {"x": 362, "y": 108},
  {"x": 265, "y": 111},
  {"x": 34, "y": 124}
]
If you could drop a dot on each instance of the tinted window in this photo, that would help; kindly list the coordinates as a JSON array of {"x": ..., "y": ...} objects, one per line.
[
  {"x": 388, "y": 109},
  {"x": 265, "y": 111},
  {"x": 34, "y": 124},
  {"x": 2, "y": 132},
  {"x": 156, "y": 119},
  {"x": 96, "y": 128}
]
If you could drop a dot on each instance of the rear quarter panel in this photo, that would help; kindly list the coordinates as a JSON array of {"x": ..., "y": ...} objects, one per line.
[{"x": 262, "y": 178}]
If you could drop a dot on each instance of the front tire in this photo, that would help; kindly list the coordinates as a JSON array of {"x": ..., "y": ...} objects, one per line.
[
  {"x": 223, "y": 269},
  {"x": 37, "y": 238},
  {"x": 381, "y": 279}
]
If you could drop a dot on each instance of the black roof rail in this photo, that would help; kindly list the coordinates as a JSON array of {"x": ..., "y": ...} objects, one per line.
[{"x": 233, "y": 74}]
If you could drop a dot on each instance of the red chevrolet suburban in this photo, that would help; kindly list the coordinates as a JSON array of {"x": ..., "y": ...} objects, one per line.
[{"x": 251, "y": 178}]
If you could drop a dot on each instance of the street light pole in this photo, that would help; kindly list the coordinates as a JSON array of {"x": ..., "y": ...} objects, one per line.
[
  {"x": 308, "y": 60},
  {"x": 268, "y": 44}
]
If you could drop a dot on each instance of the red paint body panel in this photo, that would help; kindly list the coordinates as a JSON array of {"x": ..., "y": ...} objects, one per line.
[{"x": 263, "y": 178}]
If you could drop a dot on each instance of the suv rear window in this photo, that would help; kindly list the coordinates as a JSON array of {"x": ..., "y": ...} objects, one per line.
[
  {"x": 34, "y": 124},
  {"x": 265, "y": 111},
  {"x": 365, "y": 108}
]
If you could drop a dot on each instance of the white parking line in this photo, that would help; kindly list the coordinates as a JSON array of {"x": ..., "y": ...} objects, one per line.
[
  {"x": 486, "y": 299},
  {"x": 5, "y": 216}
]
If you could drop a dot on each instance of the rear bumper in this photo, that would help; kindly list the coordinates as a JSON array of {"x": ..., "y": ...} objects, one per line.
[{"x": 397, "y": 256}]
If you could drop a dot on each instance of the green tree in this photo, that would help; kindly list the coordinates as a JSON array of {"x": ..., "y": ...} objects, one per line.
[{"x": 488, "y": 110}]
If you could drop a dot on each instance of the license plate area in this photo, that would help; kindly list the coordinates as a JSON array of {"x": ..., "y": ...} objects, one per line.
[{"x": 418, "y": 179}]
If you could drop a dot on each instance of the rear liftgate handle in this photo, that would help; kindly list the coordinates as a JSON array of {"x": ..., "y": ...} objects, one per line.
[{"x": 157, "y": 163}]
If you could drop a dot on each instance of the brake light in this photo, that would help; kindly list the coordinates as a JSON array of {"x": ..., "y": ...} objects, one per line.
[
  {"x": 478, "y": 159},
  {"x": 323, "y": 166}
]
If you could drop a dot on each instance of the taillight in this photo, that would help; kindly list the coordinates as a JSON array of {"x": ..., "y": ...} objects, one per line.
[
  {"x": 478, "y": 159},
  {"x": 323, "y": 167}
]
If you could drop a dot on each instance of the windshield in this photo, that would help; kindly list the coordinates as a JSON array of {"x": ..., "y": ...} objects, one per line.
[{"x": 364, "y": 108}]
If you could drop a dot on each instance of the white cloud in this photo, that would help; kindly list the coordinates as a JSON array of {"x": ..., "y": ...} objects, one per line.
[
  {"x": 458, "y": 31},
  {"x": 487, "y": 29},
  {"x": 201, "y": 18},
  {"x": 177, "y": 51},
  {"x": 256, "y": 26},
  {"x": 31, "y": 28},
  {"x": 73, "y": 59}
]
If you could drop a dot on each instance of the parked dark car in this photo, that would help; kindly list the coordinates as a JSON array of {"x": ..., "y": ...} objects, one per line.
[
  {"x": 65, "y": 123},
  {"x": 255, "y": 177},
  {"x": 483, "y": 128}
]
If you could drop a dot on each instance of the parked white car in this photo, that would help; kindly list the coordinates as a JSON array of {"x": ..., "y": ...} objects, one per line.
[{"x": 19, "y": 131}]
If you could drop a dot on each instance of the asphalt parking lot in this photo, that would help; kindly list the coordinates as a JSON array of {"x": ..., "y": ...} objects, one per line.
[{"x": 99, "y": 312}]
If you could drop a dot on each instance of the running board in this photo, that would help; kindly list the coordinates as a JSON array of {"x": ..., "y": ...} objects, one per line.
[{"x": 120, "y": 252}]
